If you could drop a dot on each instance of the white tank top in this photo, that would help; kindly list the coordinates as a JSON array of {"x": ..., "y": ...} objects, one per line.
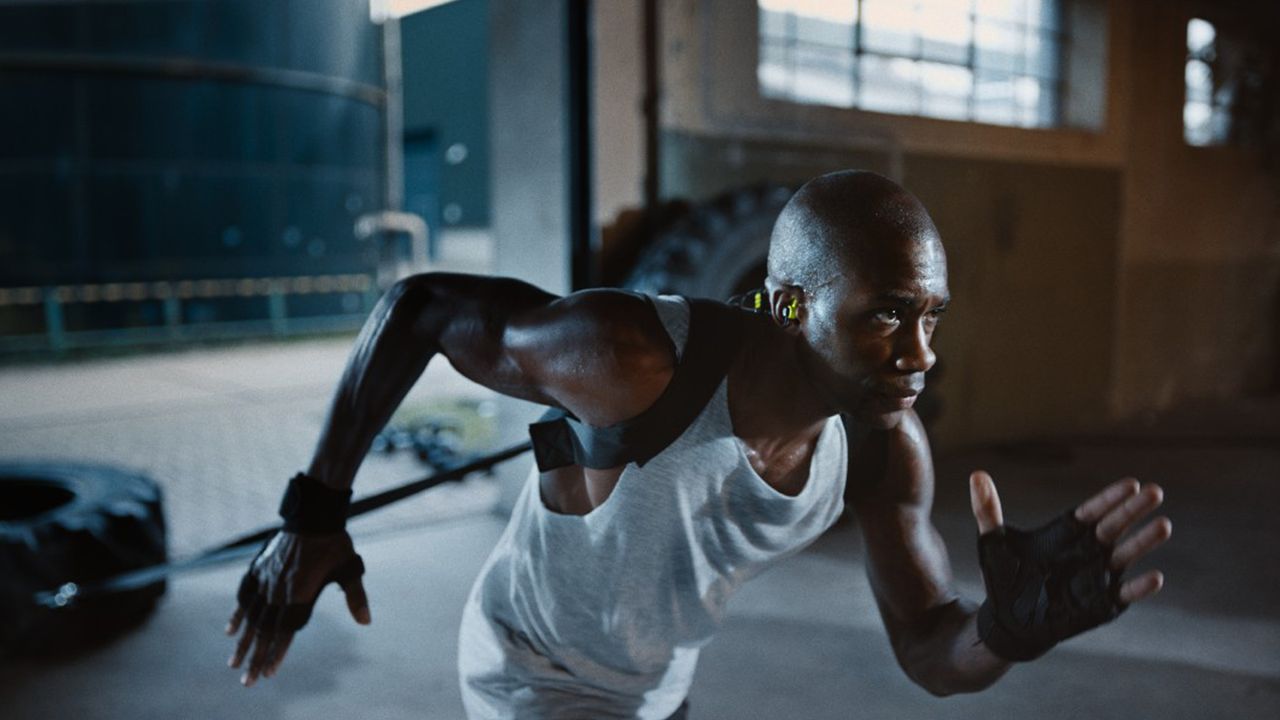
[{"x": 603, "y": 615}]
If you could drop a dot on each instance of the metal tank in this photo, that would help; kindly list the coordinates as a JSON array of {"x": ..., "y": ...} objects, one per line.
[{"x": 230, "y": 144}]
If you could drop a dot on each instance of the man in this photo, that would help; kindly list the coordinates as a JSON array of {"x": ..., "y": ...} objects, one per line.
[{"x": 609, "y": 578}]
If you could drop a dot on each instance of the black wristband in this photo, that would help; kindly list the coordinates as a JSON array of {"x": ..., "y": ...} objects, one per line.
[{"x": 310, "y": 506}]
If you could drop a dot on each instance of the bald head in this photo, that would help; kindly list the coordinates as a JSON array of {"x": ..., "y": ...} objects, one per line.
[{"x": 842, "y": 221}]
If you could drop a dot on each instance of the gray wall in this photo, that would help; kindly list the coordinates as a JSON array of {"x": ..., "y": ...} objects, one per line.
[{"x": 529, "y": 134}]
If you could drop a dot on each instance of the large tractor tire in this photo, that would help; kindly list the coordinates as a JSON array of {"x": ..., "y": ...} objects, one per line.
[
  {"x": 717, "y": 250},
  {"x": 66, "y": 523}
]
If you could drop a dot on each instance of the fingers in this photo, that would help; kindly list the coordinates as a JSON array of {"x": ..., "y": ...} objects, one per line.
[
  {"x": 1093, "y": 509},
  {"x": 1118, "y": 520},
  {"x": 242, "y": 647},
  {"x": 1143, "y": 586},
  {"x": 261, "y": 658},
  {"x": 282, "y": 647},
  {"x": 233, "y": 625},
  {"x": 985, "y": 502},
  {"x": 1134, "y": 548},
  {"x": 357, "y": 601}
]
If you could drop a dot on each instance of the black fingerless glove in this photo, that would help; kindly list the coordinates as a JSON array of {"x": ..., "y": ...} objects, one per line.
[
  {"x": 310, "y": 506},
  {"x": 1044, "y": 586}
]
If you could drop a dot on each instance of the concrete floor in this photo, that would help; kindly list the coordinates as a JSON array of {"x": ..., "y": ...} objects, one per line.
[{"x": 803, "y": 641}]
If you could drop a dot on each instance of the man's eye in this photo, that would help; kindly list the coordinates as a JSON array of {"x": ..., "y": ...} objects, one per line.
[{"x": 887, "y": 315}]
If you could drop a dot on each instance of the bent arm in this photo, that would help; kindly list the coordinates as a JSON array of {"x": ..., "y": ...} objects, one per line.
[
  {"x": 932, "y": 629},
  {"x": 504, "y": 334}
]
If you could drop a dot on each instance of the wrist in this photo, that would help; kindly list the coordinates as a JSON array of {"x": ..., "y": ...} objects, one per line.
[
  {"x": 1002, "y": 643},
  {"x": 309, "y": 506}
]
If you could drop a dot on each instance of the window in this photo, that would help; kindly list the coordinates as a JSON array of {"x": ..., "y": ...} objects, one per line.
[
  {"x": 991, "y": 61},
  {"x": 1229, "y": 75},
  {"x": 1205, "y": 113}
]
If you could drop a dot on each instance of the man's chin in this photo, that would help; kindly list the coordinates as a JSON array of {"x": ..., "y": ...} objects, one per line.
[
  {"x": 880, "y": 420},
  {"x": 881, "y": 412}
]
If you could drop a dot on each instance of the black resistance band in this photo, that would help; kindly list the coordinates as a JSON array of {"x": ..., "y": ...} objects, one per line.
[{"x": 246, "y": 545}]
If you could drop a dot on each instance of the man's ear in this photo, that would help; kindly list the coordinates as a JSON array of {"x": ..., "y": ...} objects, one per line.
[{"x": 786, "y": 304}]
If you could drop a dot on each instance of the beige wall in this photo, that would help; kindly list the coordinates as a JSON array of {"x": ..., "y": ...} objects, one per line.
[
  {"x": 1026, "y": 348},
  {"x": 618, "y": 108},
  {"x": 1098, "y": 273},
  {"x": 1200, "y": 249}
]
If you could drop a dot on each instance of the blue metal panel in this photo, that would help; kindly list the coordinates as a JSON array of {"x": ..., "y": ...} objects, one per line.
[
  {"x": 164, "y": 139},
  {"x": 446, "y": 95}
]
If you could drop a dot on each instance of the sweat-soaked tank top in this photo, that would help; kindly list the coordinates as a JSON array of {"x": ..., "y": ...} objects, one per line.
[{"x": 603, "y": 615}]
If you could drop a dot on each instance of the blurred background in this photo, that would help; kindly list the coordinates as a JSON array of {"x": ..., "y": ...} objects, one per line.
[{"x": 200, "y": 201}]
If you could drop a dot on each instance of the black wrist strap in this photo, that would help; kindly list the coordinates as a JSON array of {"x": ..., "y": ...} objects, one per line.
[{"x": 310, "y": 506}]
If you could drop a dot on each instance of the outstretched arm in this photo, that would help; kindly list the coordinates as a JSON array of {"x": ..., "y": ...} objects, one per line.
[
  {"x": 462, "y": 317},
  {"x": 601, "y": 354},
  {"x": 931, "y": 628},
  {"x": 933, "y": 631}
]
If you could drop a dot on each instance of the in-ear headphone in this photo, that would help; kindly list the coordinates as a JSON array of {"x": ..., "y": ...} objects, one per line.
[{"x": 790, "y": 310}]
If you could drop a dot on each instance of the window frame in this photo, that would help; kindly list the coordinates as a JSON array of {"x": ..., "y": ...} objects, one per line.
[{"x": 1052, "y": 88}]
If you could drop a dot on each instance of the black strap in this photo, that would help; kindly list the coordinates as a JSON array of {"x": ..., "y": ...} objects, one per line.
[
  {"x": 715, "y": 335},
  {"x": 310, "y": 506},
  {"x": 237, "y": 548}
]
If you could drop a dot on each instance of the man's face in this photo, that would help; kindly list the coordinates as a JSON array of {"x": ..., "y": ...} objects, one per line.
[{"x": 870, "y": 330}]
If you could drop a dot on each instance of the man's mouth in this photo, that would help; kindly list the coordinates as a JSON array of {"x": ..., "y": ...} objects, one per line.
[
  {"x": 896, "y": 398},
  {"x": 898, "y": 402}
]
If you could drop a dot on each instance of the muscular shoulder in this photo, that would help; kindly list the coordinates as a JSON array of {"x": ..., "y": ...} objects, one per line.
[
  {"x": 602, "y": 354},
  {"x": 893, "y": 466}
]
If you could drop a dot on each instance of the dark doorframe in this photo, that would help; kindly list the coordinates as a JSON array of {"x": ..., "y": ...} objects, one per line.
[{"x": 584, "y": 265}]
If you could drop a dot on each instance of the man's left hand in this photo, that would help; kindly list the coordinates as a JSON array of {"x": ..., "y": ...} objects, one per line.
[{"x": 1049, "y": 584}]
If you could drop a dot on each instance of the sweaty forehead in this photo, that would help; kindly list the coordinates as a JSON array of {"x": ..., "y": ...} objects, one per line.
[{"x": 909, "y": 268}]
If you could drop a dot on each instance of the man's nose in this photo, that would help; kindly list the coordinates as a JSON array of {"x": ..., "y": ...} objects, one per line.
[{"x": 913, "y": 352}]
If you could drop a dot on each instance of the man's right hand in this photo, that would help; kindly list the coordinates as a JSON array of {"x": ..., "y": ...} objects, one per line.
[{"x": 279, "y": 590}]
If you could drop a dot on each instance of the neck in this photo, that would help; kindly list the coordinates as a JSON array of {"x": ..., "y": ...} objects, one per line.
[{"x": 772, "y": 398}]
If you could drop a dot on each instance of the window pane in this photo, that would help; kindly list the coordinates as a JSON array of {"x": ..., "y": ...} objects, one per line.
[
  {"x": 824, "y": 76},
  {"x": 1199, "y": 80},
  {"x": 1195, "y": 123},
  {"x": 1200, "y": 36},
  {"x": 1033, "y": 100},
  {"x": 774, "y": 71},
  {"x": 999, "y": 47},
  {"x": 1042, "y": 55},
  {"x": 949, "y": 7},
  {"x": 993, "y": 99},
  {"x": 945, "y": 36},
  {"x": 942, "y": 79},
  {"x": 1010, "y": 10},
  {"x": 820, "y": 31},
  {"x": 845, "y": 11},
  {"x": 773, "y": 24},
  {"x": 945, "y": 108},
  {"x": 889, "y": 27},
  {"x": 1046, "y": 14},
  {"x": 888, "y": 85},
  {"x": 945, "y": 90}
]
